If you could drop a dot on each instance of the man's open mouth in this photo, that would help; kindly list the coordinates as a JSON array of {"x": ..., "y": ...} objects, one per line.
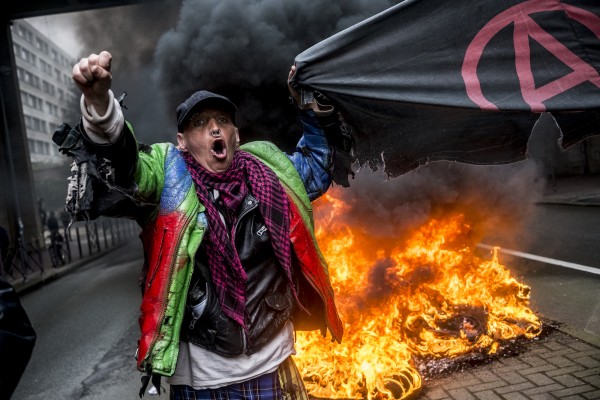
[{"x": 219, "y": 150}]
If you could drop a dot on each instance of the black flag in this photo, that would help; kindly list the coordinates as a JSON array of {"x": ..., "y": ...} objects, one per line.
[{"x": 460, "y": 80}]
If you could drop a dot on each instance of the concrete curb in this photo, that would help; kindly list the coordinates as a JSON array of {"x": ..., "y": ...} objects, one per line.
[{"x": 583, "y": 336}]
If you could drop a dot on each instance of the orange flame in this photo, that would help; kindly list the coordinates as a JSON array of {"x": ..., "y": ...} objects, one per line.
[{"x": 427, "y": 297}]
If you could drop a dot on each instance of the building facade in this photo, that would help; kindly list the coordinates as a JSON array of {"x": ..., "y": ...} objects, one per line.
[{"x": 47, "y": 90}]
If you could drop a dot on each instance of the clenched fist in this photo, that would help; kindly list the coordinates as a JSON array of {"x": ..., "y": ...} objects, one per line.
[{"x": 93, "y": 77}]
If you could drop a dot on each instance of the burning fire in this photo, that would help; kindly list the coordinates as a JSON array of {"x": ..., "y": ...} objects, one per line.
[{"x": 428, "y": 297}]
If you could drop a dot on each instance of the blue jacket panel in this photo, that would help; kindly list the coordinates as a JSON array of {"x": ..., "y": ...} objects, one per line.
[{"x": 312, "y": 157}]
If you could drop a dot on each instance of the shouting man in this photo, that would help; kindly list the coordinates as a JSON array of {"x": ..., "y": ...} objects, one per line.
[{"x": 232, "y": 266}]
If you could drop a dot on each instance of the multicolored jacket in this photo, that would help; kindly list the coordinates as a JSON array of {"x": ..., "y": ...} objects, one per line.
[{"x": 160, "y": 194}]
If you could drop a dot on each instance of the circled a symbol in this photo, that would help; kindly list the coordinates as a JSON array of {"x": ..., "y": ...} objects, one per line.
[{"x": 524, "y": 28}]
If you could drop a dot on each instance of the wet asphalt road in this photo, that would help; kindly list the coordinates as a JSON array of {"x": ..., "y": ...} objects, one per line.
[
  {"x": 563, "y": 233},
  {"x": 87, "y": 320},
  {"x": 87, "y": 329}
]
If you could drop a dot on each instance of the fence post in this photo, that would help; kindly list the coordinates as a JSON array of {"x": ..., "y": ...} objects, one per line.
[
  {"x": 79, "y": 242},
  {"x": 97, "y": 237},
  {"x": 21, "y": 252},
  {"x": 118, "y": 223},
  {"x": 39, "y": 253},
  {"x": 87, "y": 235},
  {"x": 104, "y": 233},
  {"x": 36, "y": 248},
  {"x": 67, "y": 233},
  {"x": 112, "y": 232}
]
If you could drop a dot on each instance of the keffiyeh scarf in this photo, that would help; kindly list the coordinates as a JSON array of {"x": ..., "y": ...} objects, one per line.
[{"x": 245, "y": 173}]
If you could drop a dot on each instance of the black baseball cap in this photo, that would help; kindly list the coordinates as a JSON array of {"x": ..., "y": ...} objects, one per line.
[{"x": 205, "y": 99}]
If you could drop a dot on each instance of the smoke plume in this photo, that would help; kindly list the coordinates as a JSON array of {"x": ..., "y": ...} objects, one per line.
[
  {"x": 497, "y": 199},
  {"x": 164, "y": 51}
]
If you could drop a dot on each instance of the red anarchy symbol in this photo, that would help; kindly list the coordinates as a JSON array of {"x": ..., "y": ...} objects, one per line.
[{"x": 525, "y": 27}]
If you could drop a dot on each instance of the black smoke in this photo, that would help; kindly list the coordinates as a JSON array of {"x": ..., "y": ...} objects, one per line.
[
  {"x": 130, "y": 34},
  {"x": 164, "y": 51}
]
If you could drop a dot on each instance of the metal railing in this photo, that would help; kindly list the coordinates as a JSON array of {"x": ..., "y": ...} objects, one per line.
[{"x": 24, "y": 260}]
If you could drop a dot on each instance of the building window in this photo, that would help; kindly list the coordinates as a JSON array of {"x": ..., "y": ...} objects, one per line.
[
  {"x": 46, "y": 67},
  {"x": 22, "y": 31},
  {"x": 28, "y": 77},
  {"x": 49, "y": 88},
  {"x": 25, "y": 55},
  {"x": 52, "y": 108},
  {"x": 27, "y": 34},
  {"x": 32, "y": 101},
  {"x": 35, "y": 124},
  {"x": 41, "y": 45}
]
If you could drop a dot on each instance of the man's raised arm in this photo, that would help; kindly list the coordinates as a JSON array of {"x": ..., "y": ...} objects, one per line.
[{"x": 102, "y": 116}]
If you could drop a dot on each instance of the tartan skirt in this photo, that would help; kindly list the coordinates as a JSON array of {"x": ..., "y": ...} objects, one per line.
[{"x": 283, "y": 384}]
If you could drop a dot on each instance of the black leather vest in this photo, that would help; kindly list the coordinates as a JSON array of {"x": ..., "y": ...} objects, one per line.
[{"x": 269, "y": 299}]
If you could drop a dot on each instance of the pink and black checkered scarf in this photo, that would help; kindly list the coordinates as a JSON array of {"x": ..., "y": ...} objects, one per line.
[{"x": 245, "y": 173}]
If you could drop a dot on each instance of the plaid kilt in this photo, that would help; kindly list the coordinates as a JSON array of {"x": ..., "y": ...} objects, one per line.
[{"x": 283, "y": 384}]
